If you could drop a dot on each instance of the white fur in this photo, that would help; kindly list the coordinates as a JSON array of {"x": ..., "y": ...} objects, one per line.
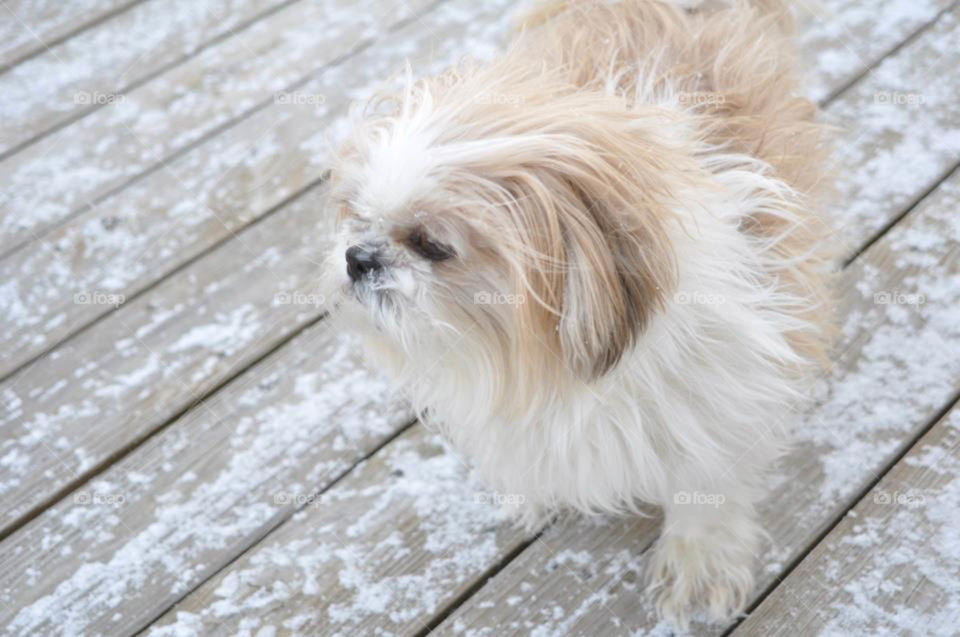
[{"x": 693, "y": 411}]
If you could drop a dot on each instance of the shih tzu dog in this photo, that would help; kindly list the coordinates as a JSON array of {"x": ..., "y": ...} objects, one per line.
[{"x": 594, "y": 264}]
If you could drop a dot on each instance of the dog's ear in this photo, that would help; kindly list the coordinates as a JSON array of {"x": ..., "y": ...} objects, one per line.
[
  {"x": 599, "y": 262},
  {"x": 615, "y": 279}
]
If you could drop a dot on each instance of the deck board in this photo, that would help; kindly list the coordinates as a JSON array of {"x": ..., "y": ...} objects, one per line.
[
  {"x": 77, "y": 166},
  {"x": 92, "y": 409},
  {"x": 122, "y": 549},
  {"x": 891, "y": 566},
  {"x": 28, "y": 27},
  {"x": 141, "y": 366},
  {"x": 207, "y": 515},
  {"x": 840, "y": 39},
  {"x": 95, "y": 67},
  {"x": 898, "y": 149},
  {"x": 136, "y": 237},
  {"x": 390, "y": 533}
]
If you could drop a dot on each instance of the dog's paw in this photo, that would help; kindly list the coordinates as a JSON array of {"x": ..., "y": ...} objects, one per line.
[{"x": 688, "y": 575}]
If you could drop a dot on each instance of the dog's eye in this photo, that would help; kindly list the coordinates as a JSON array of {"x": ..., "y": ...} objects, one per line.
[{"x": 420, "y": 243}]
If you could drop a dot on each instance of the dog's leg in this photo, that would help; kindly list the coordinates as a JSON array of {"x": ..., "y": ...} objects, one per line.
[{"x": 705, "y": 554}]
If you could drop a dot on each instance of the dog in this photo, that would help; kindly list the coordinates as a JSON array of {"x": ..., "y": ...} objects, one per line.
[{"x": 597, "y": 265}]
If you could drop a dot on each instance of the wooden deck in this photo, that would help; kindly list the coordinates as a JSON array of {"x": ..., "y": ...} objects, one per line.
[{"x": 185, "y": 448}]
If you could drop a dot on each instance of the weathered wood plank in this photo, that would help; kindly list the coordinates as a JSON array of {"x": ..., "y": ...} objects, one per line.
[
  {"x": 840, "y": 39},
  {"x": 892, "y": 565},
  {"x": 584, "y": 577},
  {"x": 70, "y": 169},
  {"x": 119, "y": 551},
  {"x": 379, "y": 553},
  {"x": 97, "y": 66},
  {"x": 902, "y": 131},
  {"x": 64, "y": 413},
  {"x": 900, "y": 365},
  {"x": 30, "y": 26},
  {"x": 131, "y": 372},
  {"x": 139, "y": 235}
]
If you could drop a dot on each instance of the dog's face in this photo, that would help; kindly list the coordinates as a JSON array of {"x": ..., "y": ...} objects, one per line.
[{"x": 528, "y": 235}]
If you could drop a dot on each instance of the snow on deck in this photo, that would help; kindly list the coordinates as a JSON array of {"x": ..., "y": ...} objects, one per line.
[{"x": 186, "y": 448}]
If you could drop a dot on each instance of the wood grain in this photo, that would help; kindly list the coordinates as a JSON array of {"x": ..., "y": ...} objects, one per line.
[
  {"x": 71, "y": 169},
  {"x": 124, "y": 547},
  {"x": 28, "y": 27},
  {"x": 101, "y": 392},
  {"x": 901, "y": 132},
  {"x": 380, "y": 553},
  {"x": 137, "y": 237},
  {"x": 95, "y": 67},
  {"x": 891, "y": 565}
]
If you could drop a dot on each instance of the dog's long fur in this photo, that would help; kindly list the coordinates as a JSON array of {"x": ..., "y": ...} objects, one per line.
[{"x": 635, "y": 299}]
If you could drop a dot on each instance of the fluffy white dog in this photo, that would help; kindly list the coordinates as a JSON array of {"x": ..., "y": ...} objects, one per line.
[{"x": 594, "y": 265}]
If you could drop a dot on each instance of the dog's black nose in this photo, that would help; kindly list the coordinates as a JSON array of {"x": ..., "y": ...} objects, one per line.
[{"x": 361, "y": 261}]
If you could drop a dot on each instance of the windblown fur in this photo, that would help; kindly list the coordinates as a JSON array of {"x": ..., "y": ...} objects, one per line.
[{"x": 595, "y": 265}]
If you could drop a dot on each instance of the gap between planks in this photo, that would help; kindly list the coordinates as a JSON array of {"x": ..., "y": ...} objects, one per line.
[
  {"x": 47, "y": 42},
  {"x": 857, "y": 499},
  {"x": 426, "y": 36},
  {"x": 281, "y": 520},
  {"x": 209, "y": 134},
  {"x": 906, "y": 211},
  {"x": 837, "y": 92},
  {"x": 83, "y": 112},
  {"x": 125, "y": 450},
  {"x": 25, "y": 245}
]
